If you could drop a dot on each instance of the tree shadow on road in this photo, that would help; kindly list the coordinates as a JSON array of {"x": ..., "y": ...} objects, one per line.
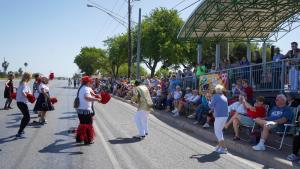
[
  {"x": 60, "y": 148},
  {"x": 206, "y": 158},
  {"x": 124, "y": 141}
]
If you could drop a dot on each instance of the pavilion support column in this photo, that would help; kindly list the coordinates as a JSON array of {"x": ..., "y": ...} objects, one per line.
[
  {"x": 249, "y": 51},
  {"x": 199, "y": 53},
  {"x": 228, "y": 50},
  {"x": 264, "y": 52},
  {"x": 218, "y": 55}
]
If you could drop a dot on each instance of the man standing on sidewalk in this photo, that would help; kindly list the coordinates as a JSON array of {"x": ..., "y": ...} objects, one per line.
[{"x": 143, "y": 99}]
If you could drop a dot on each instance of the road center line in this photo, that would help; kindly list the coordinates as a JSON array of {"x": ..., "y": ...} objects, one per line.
[{"x": 109, "y": 152}]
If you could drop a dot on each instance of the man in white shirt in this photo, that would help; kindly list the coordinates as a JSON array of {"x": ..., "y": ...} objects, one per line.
[
  {"x": 236, "y": 107},
  {"x": 177, "y": 96}
]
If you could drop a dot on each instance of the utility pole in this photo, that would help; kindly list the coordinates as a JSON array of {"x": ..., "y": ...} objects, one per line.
[
  {"x": 129, "y": 39},
  {"x": 138, "y": 57}
]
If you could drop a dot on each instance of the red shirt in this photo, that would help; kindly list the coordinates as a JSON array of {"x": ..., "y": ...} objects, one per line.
[
  {"x": 249, "y": 92},
  {"x": 260, "y": 112}
]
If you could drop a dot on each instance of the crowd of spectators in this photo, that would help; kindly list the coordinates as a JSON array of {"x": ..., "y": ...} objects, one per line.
[{"x": 182, "y": 98}]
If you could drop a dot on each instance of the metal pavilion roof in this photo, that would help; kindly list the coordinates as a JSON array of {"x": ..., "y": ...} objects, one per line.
[{"x": 242, "y": 20}]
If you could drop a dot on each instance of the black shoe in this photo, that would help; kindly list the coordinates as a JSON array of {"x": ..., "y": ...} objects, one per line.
[
  {"x": 146, "y": 134},
  {"x": 88, "y": 142},
  {"x": 139, "y": 137},
  {"x": 19, "y": 135},
  {"x": 78, "y": 140},
  {"x": 236, "y": 138}
]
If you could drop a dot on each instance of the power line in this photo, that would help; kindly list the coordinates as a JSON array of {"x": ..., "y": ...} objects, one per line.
[
  {"x": 189, "y": 6},
  {"x": 107, "y": 10},
  {"x": 113, "y": 9},
  {"x": 178, "y": 4}
]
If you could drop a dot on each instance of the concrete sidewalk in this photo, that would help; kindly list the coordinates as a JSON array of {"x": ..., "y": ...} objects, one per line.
[{"x": 270, "y": 158}]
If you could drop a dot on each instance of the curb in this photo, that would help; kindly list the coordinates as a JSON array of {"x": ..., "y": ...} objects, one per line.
[{"x": 269, "y": 158}]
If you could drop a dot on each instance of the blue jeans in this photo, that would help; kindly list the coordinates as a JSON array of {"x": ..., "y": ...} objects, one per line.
[{"x": 200, "y": 110}]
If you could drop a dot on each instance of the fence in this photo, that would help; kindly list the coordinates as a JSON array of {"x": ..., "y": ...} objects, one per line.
[{"x": 280, "y": 76}]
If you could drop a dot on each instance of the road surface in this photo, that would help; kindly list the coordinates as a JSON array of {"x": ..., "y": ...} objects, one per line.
[{"x": 53, "y": 145}]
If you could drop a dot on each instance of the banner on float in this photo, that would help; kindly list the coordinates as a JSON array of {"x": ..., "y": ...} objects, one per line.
[{"x": 208, "y": 82}]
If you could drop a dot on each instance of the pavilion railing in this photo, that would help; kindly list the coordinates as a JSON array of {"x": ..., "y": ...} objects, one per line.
[{"x": 279, "y": 76}]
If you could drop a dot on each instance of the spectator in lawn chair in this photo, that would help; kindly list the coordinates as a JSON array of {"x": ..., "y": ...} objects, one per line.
[
  {"x": 236, "y": 108},
  {"x": 256, "y": 111},
  {"x": 177, "y": 96},
  {"x": 184, "y": 100},
  {"x": 280, "y": 114},
  {"x": 162, "y": 101},
  {"x": 202, "y": 108},
  {"x": 189, "y": 101},
  {"x": 169, "y": 102},
  {"x": 296, "y": 145},
  {"x": 156, "y": 94}
]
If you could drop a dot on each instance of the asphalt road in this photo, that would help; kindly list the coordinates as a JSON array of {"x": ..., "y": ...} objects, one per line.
[{"x": 53, "y": 145}]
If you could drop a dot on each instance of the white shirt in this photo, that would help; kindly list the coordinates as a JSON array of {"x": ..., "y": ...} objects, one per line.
[
  {"x": 23, "y": 88},
  {"x": 158, "y": 93},
  {"x": 177, "y": 95},
  {"x": 44, "y": 87},
  {"x": 83, "y": 103},
  {"x": 238, "y": 107},
  {"x": 194, "y": 98},
  {"x": 187, "y": 96}
]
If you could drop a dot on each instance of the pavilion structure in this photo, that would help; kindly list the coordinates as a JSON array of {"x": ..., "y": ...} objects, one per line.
[{"x": 240, "y": 20}]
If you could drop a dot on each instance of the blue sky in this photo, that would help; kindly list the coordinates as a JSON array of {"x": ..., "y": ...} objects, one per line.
[{"x": 48, "y": 34}]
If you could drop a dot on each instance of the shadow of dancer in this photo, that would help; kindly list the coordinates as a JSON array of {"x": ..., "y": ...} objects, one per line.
[
  {"x": 8, "y": 139},
  {"x": 60, "y": 148},
  {"x": 124, "y": 141},
  {"x": 206, "y": 158}
]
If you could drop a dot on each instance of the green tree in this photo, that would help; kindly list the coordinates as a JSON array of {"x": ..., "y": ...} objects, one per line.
[
  {"x": 159, "y": 38},
  {"x": 124, "y": 70},
  {"x": 162, "y": 72},
  {"x": 90, "y": 60},
  {"x": 117, "y": 53}
]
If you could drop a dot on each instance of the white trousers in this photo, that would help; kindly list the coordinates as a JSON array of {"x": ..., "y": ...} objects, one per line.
[
  {"x": 141, "y": 121},
  {"x": 219, "y": 126}
]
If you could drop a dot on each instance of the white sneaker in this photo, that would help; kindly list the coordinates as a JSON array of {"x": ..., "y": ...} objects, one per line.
[
  {"x": 196, "y": 122},
  {"x": 191, "y": 117},
  {"x": 176, "y": 114},
  {"x": 259, "y": 147},
  {"x": 206, "y": 125},
  {"x": 174, "y": 111},
  {"x": 216, "y": 149},
  {"x": 222, "y": 150},
  {"x": 292, "y": 157}
]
